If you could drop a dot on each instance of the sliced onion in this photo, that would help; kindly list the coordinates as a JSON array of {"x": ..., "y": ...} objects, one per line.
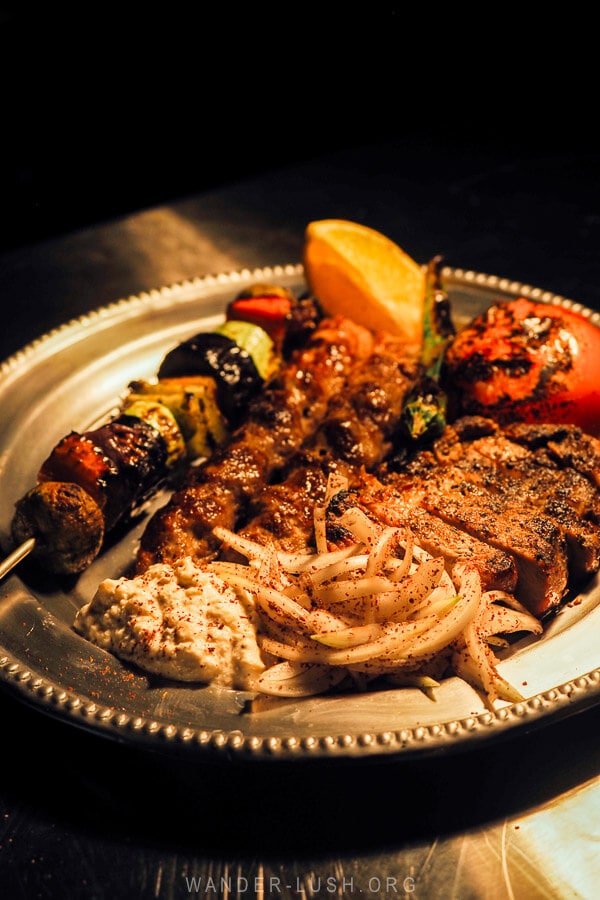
[
  {"x": 383, "y": 548},
  {"x": 411, "y": 592},
  {"x": 368, "y": 610},
  {"x": 289, "y": 679},
  {"x": 393, "y": 638},
  {"x": 482, "y": 672},
  {"x": 494, "y": 619},
  {"x": 351, "y": 636},
  {"x": 320, "y": 528},
  {"x": 281, "y": 608},
  {"x": 451, "y": 625},
  {"x": 360, "y": 526}
]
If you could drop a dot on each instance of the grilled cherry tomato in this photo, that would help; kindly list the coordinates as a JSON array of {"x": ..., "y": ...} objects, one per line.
[{"x": 528, "y": 361}]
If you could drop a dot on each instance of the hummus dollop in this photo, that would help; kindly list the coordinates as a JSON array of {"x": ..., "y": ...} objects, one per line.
[{"x": 179, "y": 621}]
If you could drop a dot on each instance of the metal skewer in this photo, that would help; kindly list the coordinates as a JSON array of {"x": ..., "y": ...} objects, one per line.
[{"x": 16, "y": 556}]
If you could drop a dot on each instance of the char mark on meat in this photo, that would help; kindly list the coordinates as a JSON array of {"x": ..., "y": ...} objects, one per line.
[
  {"x": 396, "y": 508},
  {"x": 518, "y": 495},
  {"x": 289, "y": 409},
  {"x": 566, "y": 445},
  {"x": 531, "y": 538},
  {"x": 284, "y": 512},
  {"x": 358, "y": 431},
  {"x": 491, "y": 460}
]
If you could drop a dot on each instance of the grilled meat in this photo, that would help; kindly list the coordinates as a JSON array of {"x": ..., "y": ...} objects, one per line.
[
  {"x": 497, "y": 568},
  {"x": 566, "y": 497},
  {"x": 357, "y": 433},
  {"x": 280, "y": 419},
  {"x": 522, "y": 496},
  {"x": 532, "y": 539},
  {"x": 521, "y": 502},
  {"x": 284, "y": 512},
  {"x": 66, "y": 522},
  {"x": 566, "y": 445}
]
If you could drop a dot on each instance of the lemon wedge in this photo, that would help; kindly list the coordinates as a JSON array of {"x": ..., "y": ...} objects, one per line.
[{"x": 358, "y": 272}]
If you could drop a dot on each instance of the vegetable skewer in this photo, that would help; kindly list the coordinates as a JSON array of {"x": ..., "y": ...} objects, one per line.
[{"x": 94, "y": 480}]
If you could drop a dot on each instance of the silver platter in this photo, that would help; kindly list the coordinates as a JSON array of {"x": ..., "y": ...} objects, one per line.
[{"x": 74, "y": 377}]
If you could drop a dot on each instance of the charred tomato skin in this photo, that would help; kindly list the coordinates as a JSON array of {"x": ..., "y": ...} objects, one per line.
[{"x": 529, "y": 361}]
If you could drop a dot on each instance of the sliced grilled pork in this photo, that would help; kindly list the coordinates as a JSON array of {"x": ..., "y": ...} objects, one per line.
[
  {"x": 530, "y": 490},
  {"x": 567, "y": 445},
  {"x": 530, "y": 538},
  {"x": 565, "y": 496},
  {"x": 393, "y": 507}
]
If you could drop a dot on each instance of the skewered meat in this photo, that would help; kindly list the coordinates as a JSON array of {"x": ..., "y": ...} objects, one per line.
[
  {"x": 358, "y": 432},
  {"x": 521, "y": 503},
  {"x": 286, "y": 412}
]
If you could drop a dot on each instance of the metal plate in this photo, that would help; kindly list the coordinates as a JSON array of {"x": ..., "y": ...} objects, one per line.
[{"x": 73, "y": 378}]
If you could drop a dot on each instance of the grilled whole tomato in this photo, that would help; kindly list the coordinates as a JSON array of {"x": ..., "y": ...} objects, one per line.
[{"x": 526, "y": 361}]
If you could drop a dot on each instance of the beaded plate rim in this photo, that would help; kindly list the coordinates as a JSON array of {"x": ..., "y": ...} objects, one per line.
[{"x": 49, "y": 696}]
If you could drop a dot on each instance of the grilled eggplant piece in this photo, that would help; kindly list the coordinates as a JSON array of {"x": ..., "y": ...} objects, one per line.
[
  {"x": 238, "y": 355},
  {"x": 119, "y": 464}
]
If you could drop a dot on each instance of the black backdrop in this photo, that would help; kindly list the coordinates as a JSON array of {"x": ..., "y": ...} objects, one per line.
[{"x": 106, "y": 112}]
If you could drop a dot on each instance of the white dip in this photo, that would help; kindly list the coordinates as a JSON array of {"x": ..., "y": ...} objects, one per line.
[{"x": 180, "y": 621}]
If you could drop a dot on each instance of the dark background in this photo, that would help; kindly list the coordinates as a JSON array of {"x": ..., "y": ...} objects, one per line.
[{"x": 105, "y": 115}]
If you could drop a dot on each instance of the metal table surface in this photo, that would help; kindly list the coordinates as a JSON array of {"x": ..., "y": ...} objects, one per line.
[{"x": 81, "y": 816}]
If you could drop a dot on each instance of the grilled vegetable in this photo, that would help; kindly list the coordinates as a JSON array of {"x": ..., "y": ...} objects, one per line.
[
  {"x": 193, "y": 402},
  {"x": 235, "y": 370},
  {"x": 523, "y": 360},
  {"x": 66, "y": 522},
  {"x": 266, "y": 305},
  {"x": 162, "y": 419},
  {"x": 93, "y": 480},
  {"x": 424, "y": 414},
  {"x": 255, "y": 341},
  {"x": 119, "y": 464}
]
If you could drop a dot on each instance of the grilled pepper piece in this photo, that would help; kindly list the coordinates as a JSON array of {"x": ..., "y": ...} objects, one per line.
[
  {"x": 266, "y": 305},
  {"x": 119, "y": 464},
  {"x": 424, "y": 413}
]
